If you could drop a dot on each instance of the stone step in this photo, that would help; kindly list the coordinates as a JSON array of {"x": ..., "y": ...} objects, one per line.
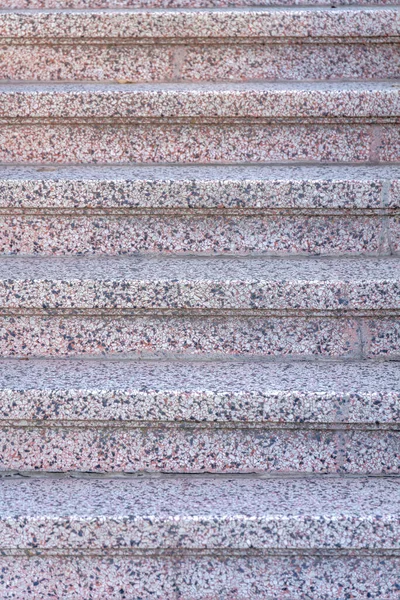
[
  {"x": 159, "y": 306},
  {"x": 200, "y": 45},
  {"x": 293, "y": 210},
  {"x": 161, "y": 283},
  {"x": 183, "y": 187},
  {"x": 279, "y": 394},
  {"x": 200, "y": 538},
  {"x": 180, "y": 416},
  {"x": 183, "y": 123}
]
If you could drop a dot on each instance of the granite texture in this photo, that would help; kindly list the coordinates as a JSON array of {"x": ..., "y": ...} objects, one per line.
[
  {"x": 60, "y": 4},
  {"x": 199, "y": 578},
  {"x": 394, "y": 232},
  {"x": 267, "y": 62},
  {"x": 304, "y": 337},
  {"x": 198, "y": 63},
  {"x": 287, "y": 393},
  {"x": 91, "y": 144},
  {"x": 381, "y": 337},
  {"x": 200, "y": 513},
  {"x": 257, "y": 100},
  {"x": 237, "y": 24},
  {"x": 200, "y": 187},
  {"x": 187, "y": 449},
  {"x": 141, "y": 282},
  {"x": 207, "y": 235}
]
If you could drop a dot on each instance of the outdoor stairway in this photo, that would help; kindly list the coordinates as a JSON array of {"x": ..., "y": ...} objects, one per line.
[{"x": 199, "y": 299}]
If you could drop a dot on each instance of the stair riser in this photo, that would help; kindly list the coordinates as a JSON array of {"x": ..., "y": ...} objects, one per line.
[
  {"x": 137, "y": 64},
  {"x": 228, "y": 192},
  {"x": 207, "y": 235},
  {"x": 202, "y": 295},
  {"x": 206, "y": 25},
  {"x": 200, "y": 578},
  {"x": 198, "y": 144},
  {"x": 295, "y": 408},
  {"x": 219, "y": 336},
  {"x": 181, "y": 450}
]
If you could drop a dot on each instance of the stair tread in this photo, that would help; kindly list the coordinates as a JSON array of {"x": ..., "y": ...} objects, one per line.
[
  {"x": 281, "y": 100},
  {"x": 219, "y": 283},
  {"x": 190, "y": 512},
  {"x": 362, "y": 377}
]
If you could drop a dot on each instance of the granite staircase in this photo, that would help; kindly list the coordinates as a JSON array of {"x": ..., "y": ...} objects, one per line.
[{"x": 200, "y": 299}]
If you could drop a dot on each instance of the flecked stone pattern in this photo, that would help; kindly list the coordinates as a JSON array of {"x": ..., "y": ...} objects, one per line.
[
  {"x": 186, "y": 3},
  {"x": 220, "y": 336},
  {"x": 194, "y": 513},
  {"x": 202, "y": 235},
  {"x": 154, "y": 125},
  {"x": 112, "y": 514},
  {"x": 231, "y": 46},
  {"x": 248, "y": 209},
  {"x": 133, "y": 283},
  {"x": 280, "y": 394},
  {"x": 305, "y": 337},
  {"x": 296, "y": 101},
  {"x": 238, "y": 62},
  {"x": 81, "y": 143},
  {"x": 196, "y": 449},
  {"x": 199, "y": 578},
  {"x": 375, "y": 23},
  {"x": 226, "y": 187}
]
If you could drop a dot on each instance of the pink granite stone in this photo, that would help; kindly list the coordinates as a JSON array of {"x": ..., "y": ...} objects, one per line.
[
  {"x": 199, "y": 577},
  {"x": 26, "y": 336},
  {"x": 290, "y": 62},
  {"x": 185, "y": 143},
  {"x": 382, "y": 337},
  {"x": 186, "y": 24},
  {"x": 170, "y": 449},
  {"x": 207, "y": 235},
  {"x": 59, "y": 4},
  {"x": 92, "y": 63},
  {"x": 229, "y": 62}
]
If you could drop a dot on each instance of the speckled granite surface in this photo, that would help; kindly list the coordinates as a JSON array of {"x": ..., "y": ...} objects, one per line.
[
  {"x": 275, "y": 101},
  {"x": 225, "y": 140},
  {"x": 200, "y": 578},
  {"x": 306, "y": 337},
  {"x": 57, "y": 4},
  {"x": 90, "y": 144},
  {"x": 270, "y": 24},
  {"x": 224, "y": 409},
  {"x": 229, "y": 62},
  {"x": 200, "y": 45},
  {"x": 200, "y": 187},
  {"x": 200, "y": 283},
  {"x": 195, "y": 513},
  {"x": 206, "y": 235},
  {"x": 280, "y": 393}
]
